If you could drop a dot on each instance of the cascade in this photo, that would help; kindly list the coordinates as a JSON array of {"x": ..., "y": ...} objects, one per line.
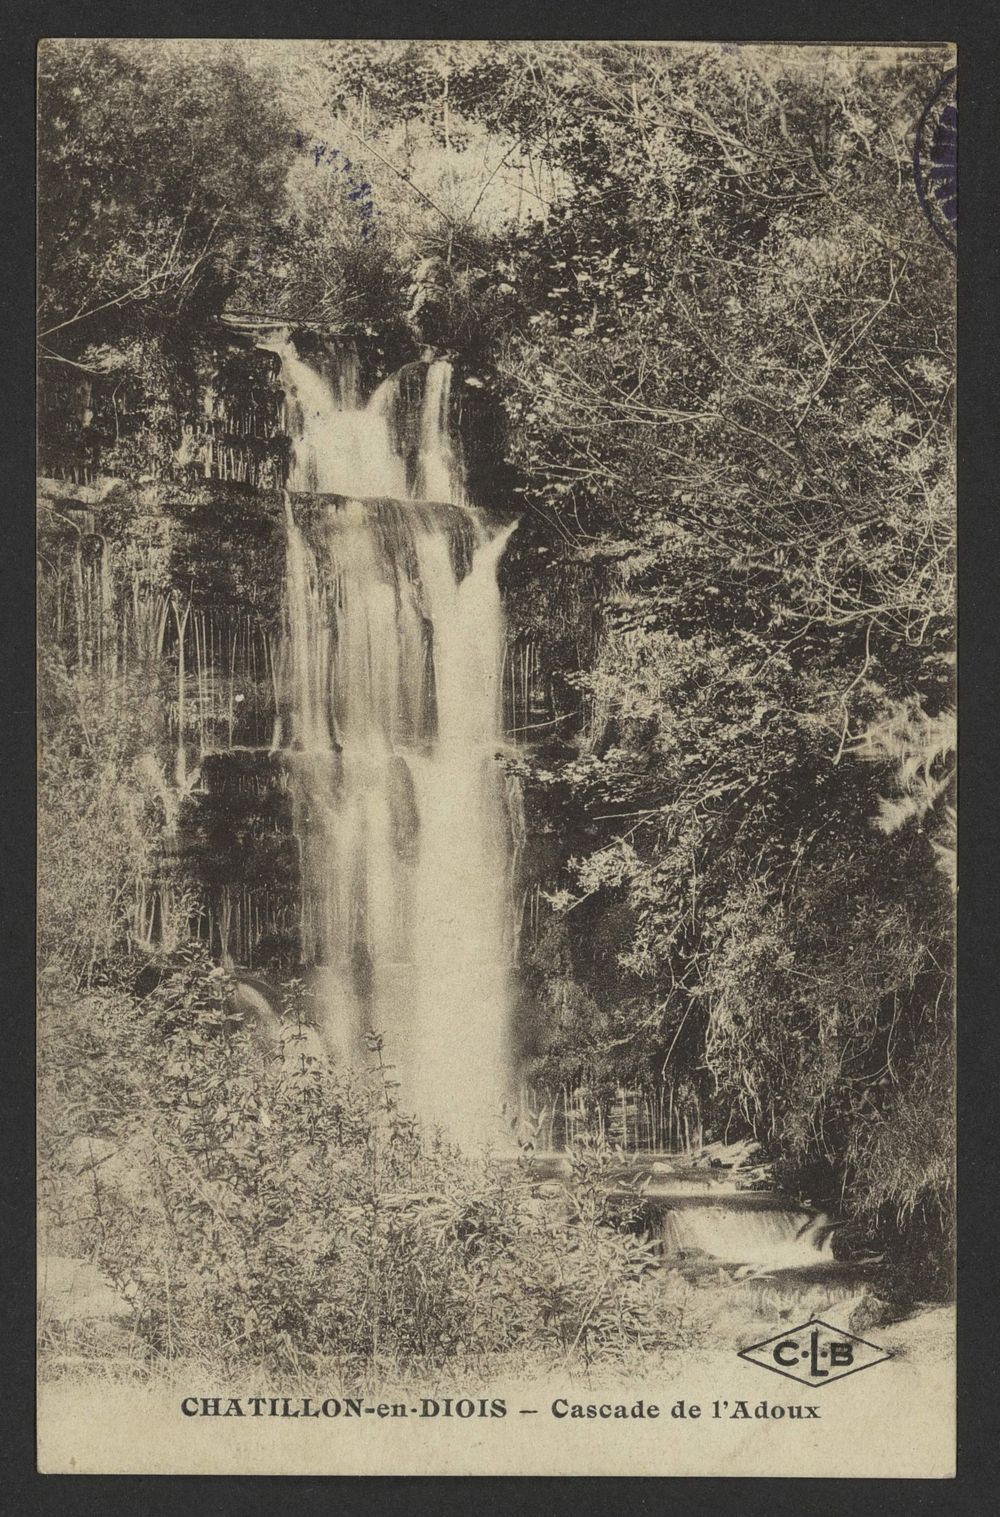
[
  {"x": 340, "y": 446},
  {"x": 769, "y": 1237},
  {"x": 439, "y": 468},
  {"x": 393, "y": 668}
]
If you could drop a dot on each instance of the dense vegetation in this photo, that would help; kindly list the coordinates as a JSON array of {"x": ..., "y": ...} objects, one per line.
[
  {"x": 698, "y": 293},
  {"x": 275, "y": 1212}
]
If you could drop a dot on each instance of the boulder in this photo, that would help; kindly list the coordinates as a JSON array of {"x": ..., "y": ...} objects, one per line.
[{"x": 867, "y": 1311}]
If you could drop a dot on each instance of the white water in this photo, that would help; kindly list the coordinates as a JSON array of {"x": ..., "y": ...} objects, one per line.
[
  {"x": 341, "y": 446},
  {"x": 395, "y": 636},
  {"x": 766, "y": 1238},
  {"x": 439, "y": 467}
]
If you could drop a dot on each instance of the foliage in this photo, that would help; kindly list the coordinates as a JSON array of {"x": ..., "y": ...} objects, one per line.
[
  {"x": 155, "y": 167},
  {"x": 901, "y": 1159},
  {"x": 101, "y": 811},
  {"x": 733, "y": 392},
  {"x": 698, "y": 283},
  {"x": 263, "y": 1208}
]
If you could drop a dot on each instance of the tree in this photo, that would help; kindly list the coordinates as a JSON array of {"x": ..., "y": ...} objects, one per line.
[
  {"x": 722, "y": 343},
  {"x": 734, "y": 393},
  {"x": 157, "y": 166}
]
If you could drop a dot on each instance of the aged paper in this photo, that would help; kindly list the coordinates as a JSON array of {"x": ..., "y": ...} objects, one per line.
[{"x": 496, "y": 802}]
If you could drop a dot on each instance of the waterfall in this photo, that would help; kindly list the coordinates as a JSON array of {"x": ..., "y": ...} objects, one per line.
[
  {"x": 393, "y": 660},
  {"x": 439, "y": 468},
  {"x": 769, "y": 1237},
  {"x": 340, "y": 446}
]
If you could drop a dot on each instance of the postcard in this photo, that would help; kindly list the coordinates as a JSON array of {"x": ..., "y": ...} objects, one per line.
[{"x": 496, "y": 649}]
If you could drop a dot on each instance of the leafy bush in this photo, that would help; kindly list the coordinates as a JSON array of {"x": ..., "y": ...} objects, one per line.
[
  {"x": 262, "y": 1207},
  {"x": 902, "y": 1157},
  {"x": 101, "y": 811}
]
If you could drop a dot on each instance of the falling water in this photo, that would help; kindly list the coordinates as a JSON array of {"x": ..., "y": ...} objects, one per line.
[
  {"x": 439, "y": 469},
  {"x": 340, "y": 446},
  {"x": 768, "y": 1237},
  {"x": 395, "y": 636}
]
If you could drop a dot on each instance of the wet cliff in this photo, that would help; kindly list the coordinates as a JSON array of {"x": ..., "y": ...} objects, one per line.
[{"x": 319, "y": 526}]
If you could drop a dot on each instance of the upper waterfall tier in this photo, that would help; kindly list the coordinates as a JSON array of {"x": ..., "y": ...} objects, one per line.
[{"x": 400, "y": 443}]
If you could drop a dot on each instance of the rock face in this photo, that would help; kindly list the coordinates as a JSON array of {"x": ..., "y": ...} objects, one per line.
[
  {"x": 222, "y": 419},
  {"x": 315, "y": 642},
  {"x": 173, "y": 596}
]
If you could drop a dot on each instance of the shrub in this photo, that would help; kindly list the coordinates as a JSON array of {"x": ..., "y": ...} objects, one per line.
[{"x": 267, "y": 1208}]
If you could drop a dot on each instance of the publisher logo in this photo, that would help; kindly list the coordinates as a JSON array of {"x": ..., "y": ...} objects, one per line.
[{"x": 815, "y": 1353}]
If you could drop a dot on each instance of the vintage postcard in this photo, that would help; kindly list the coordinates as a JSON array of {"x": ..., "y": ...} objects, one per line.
[{"x": 496, "y": 637}]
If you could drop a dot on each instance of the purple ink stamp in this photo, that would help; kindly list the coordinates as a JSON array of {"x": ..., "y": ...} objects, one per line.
[{"x": 935, "y": 160}]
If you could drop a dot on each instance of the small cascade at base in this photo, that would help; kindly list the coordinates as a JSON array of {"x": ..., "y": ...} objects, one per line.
[{"x": 734, "y": 1232}]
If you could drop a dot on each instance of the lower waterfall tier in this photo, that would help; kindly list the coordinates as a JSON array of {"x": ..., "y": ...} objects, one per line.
[{"x": 393, "y": 661}]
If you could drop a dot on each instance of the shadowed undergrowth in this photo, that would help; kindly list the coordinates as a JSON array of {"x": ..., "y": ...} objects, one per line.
[{"x": 260, "y": 1209}]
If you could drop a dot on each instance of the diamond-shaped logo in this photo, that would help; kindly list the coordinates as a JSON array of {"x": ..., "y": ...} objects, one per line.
[{"x": 815, "y": 1353}]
